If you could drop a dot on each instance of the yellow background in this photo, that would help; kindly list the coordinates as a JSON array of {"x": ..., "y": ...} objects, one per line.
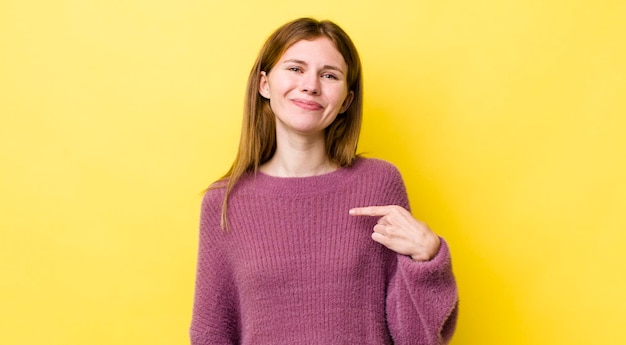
[{"x": 506, "y": 118}]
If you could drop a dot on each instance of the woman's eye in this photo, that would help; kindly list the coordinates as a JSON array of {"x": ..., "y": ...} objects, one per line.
[
  {"x": 329, "y": 76},
  {"x": 295, "y": 69}
]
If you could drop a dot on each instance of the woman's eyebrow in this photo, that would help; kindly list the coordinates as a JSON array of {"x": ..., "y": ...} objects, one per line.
[{"x": 295, "y": 61}]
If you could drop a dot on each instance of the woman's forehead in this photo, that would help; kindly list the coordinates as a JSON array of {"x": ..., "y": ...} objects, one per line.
[{"x": 317, "y": 50}]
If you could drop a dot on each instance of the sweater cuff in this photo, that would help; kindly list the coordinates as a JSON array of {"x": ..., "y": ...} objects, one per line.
[{"x": 440, "y": 264}]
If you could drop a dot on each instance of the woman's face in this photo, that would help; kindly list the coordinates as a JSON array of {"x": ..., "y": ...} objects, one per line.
[{"x": 307, "y": 88}]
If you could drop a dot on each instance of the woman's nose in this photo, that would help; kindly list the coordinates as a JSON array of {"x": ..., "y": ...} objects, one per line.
[{"x": 310, "y": 83}]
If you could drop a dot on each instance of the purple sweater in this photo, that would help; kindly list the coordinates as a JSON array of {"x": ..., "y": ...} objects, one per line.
[{"x": 296, "y": 268}]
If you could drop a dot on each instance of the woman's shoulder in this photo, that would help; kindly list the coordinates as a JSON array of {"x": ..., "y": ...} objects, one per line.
[
  {"x": 376, "y": 166},
  {"x": 214, "y": 196}
]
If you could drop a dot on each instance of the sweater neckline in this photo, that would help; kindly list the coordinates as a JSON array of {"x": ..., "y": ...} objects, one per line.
[{"x": 262, "y": 182}]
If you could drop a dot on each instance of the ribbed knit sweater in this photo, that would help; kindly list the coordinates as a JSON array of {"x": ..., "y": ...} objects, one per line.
[{"x": 296, "y": 268}]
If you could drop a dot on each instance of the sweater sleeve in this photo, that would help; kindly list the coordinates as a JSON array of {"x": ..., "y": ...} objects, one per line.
[
  {"x": 422, "y": 297},
  {"x": 214, "y": 318},
  {"x": 422, "y": 300}
]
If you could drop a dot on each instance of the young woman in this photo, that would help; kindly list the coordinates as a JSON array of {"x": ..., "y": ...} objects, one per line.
[{"x": 303, "y": 241}]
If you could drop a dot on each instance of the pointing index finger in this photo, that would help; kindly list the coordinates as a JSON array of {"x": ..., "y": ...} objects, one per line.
[{"x": 370, "y": 211}]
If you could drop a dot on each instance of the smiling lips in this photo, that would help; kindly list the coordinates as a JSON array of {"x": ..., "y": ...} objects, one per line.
[{"x": 308, "y": 105}]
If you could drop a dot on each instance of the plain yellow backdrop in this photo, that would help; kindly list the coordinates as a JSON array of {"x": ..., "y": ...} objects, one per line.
[{"x": 506, "y": 118}]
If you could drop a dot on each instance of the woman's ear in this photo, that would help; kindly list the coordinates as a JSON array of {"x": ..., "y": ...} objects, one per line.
[
  {"x": 347, "y": 102},
  {"x": 264, "y": 87}
]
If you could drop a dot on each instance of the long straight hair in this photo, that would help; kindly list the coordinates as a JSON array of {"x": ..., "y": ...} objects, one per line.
[{"x": 257, "y": 143}]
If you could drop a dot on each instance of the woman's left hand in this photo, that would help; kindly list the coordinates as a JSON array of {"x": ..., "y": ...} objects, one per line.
[{"x": 399, "y": 231}]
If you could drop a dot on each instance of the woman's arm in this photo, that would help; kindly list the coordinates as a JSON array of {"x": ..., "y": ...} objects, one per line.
[
  {"x": 422, "y": 300},
  {"x": 215, "y": 311}
]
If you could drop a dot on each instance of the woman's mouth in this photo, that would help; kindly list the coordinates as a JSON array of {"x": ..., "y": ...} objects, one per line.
[{"x": 308, "y": 105}]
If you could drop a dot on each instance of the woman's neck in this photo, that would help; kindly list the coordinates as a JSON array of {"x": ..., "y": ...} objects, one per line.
[{"x": 299, "y": 158}]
